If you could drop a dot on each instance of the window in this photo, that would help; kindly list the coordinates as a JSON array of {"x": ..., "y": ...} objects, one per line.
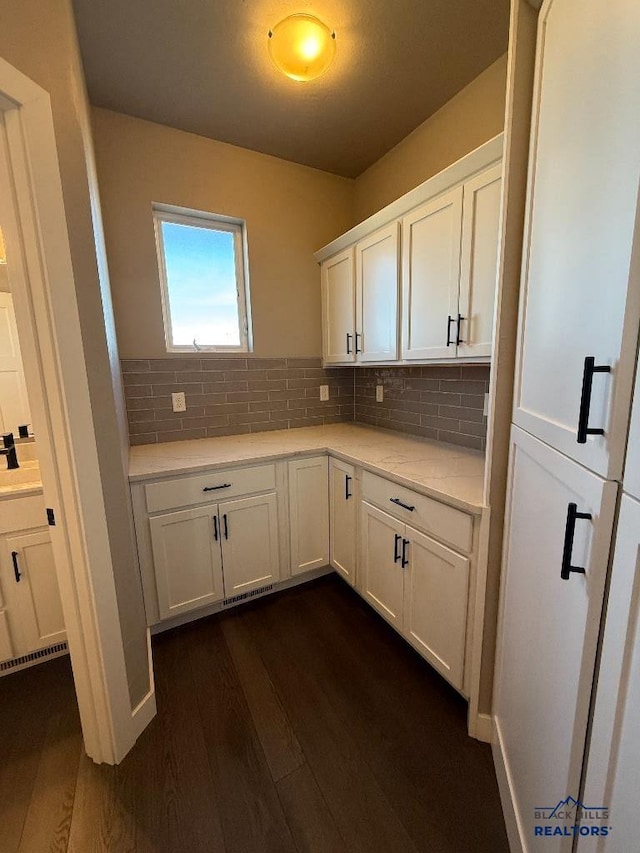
[{"x": 204, "y": 281}]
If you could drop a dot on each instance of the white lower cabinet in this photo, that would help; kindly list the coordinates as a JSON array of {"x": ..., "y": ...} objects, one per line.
[
  {"x": 33, "y": 617},
  {"x": 419, "y": 586},
  {"x": 435, "y": 603},
  {"x": 342, "y": 519},
  {"x": 249, "y": 537},
  {"x": 309, "y": 513},
  {"x": 187, "y": 559},
  {"x": 203, "y": 555}
]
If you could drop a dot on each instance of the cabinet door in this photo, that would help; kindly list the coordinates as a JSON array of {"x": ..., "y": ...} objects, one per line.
[
  {"x": 338, "y": 308},
  {"x": 382, "y": 575},
  {"x": 377, "y": 293},
  {"x": 435, "y": 604},
  {"x": 342, "y": 519},
  {"x": 6, "y": 646},
  {"x": 249, "y": 535},
  {"x": 582, "y": 201},
  {"x": 479, "y": 262},
  {"x": 35, "y": 609},
  {"x": 549, "y": 626},
  {"x": 309, "y": 513},
  {"x": 187, "y": 559},
  {"x": 614, "y": 754},
  {"x": 632, "y": 462},
  {"x": 430, "y": 277}
]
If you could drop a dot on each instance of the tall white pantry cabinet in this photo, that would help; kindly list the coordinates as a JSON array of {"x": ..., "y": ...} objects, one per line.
[{"x": 578, "y": 335}]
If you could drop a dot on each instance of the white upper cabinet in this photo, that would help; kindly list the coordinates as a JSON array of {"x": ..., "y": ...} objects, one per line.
[
  {"x": 582, "y": 204},
  {"x": 377, "y": 292},
  {"x": 481, "y": 207},
  {"x": 430, "y": 277},
  {"x": 338, "y": 308}
]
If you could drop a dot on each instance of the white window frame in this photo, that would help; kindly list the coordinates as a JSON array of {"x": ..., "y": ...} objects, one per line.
[{"x": 215, "y": 222}]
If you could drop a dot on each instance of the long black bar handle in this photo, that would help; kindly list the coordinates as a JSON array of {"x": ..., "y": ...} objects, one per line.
[
  {"x": 215, "y": 488},
  {"x": 405, "y": 559},
  {"x": 569, "y": 534},
  {"x": 215, "y": 528},
  {"x": 349, "y": 336},
  {"x": 450, "y": 320},
  {"x": 358, "y": 349},
  {"x": 396, "y": 554},
  {"x": 590, "y": 367},
  {"x": 399, "y": 503},
  {"x": 347, "y": 493},
  {"x": 226, "y": 527},
  {"x": 458, "y": 338},
  {"x": 16, "y": 567}
]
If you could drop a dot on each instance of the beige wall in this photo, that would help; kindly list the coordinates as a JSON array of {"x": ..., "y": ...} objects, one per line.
[
  {"x": 473, "y": 116},
  {"x": 4, "y": 279},
  {"x": 290, "y": 211},
  {"x": 38, "y": 38}
]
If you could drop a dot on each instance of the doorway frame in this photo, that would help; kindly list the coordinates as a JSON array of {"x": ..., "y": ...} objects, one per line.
[{"x": 43, "y": 288}]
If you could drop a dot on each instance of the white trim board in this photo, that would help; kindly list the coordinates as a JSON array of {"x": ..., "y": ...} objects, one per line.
[{"x": 480, "y": 158}]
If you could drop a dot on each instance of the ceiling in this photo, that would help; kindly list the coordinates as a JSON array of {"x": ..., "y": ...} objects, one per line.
[{"x": 203, "y": 66}]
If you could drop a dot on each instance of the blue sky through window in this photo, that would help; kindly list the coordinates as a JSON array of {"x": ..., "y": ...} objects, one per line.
[{"x": 201, "y": 284}]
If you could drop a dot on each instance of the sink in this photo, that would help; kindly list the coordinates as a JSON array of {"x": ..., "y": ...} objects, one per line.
[{"x": 29, "y": 473}]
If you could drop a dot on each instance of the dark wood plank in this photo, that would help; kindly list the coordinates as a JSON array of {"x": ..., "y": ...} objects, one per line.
[
  {"x": 361, "y": 811},
  {"x": 310, "y": 821},
  {"x": 92, "y": 824},
  {"x": 48, "y": 820},
  {"x": 28, "y": 700},
  {"x": 280, "y": 745},
  {"x": 251, "y": 813}
]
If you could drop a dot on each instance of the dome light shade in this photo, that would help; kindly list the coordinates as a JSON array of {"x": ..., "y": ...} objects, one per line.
[{"x": 302, "y": 47}]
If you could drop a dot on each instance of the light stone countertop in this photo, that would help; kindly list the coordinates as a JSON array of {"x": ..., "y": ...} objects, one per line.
[{"x": 452, "y": 474}]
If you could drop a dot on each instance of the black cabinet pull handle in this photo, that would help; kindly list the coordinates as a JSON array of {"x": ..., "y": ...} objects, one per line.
[
  {"x": 215, "y": 527},
  {"x": 16, "y": 567},
  {"x": 569, "y": 533},
  {"x": 347, "y": 493},
  {"x": 349, "y": 343},
  {"x": 358, "y": 349},
  {"x": 399, "y": 503},
  {"x": 215, "y": 488},
  {"x": 458, "y": 338},
  {"x": 405, "y": 561},
  {"x": 590, "y": 367},
  {"x": 450, "y": 320},
  {"x": 226, "y": 528},
  {"x": 396, "y": 555}
]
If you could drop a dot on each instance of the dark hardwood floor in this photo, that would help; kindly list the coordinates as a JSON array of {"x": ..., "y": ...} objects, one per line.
[{"x": 300, "y": 722}]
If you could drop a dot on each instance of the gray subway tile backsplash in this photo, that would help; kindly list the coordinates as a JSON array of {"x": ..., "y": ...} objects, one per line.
[{"x": 233, "y": 396}]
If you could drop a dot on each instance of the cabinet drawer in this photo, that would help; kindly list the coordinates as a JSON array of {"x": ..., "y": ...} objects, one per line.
[
  {"x": 209, "y": 488},
  {"x": 445, "y": 523}
]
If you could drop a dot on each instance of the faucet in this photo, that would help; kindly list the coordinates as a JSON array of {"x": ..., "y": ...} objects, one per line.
[{"x": 9, "y": 450}]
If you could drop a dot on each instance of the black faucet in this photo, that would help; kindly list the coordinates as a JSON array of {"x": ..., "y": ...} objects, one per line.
[{"x": 9, "y": 450}]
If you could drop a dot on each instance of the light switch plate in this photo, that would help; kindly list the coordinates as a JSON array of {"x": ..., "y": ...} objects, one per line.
[
  {"x": 179, "y": 402},
  {"x": 379, "y": 393},
  {"x": 324, "y": 393}
]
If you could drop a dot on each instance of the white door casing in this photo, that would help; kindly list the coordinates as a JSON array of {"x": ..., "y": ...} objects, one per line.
[
  {"x": 632, "y": 461},
  {"x": 577, "y": 300},
  {"x": 548, "y": 629}
]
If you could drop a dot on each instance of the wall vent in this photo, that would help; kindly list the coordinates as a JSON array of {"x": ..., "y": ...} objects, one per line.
[
  {"x": 244, "y": 595},
  {"x": 31, "y": 659}
]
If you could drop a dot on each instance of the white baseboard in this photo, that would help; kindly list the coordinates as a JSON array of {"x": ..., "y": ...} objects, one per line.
[
  {"x": 484, "y": 728},
  {"x": 514, "y": 831}
]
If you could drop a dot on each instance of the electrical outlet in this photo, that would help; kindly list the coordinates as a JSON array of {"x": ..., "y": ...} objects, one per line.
[
  {"x": 179, "y": 402},
  {"x": 324, "y": 393},
  {"x": 379, "y": 393},
  {"x": 485, "y": 411}
]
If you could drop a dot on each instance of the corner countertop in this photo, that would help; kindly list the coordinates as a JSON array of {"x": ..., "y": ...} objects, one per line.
[{"x": 446, "y": 472}]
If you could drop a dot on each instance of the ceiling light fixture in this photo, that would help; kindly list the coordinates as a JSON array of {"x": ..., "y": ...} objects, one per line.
[{"x": 302, "y": 47}]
